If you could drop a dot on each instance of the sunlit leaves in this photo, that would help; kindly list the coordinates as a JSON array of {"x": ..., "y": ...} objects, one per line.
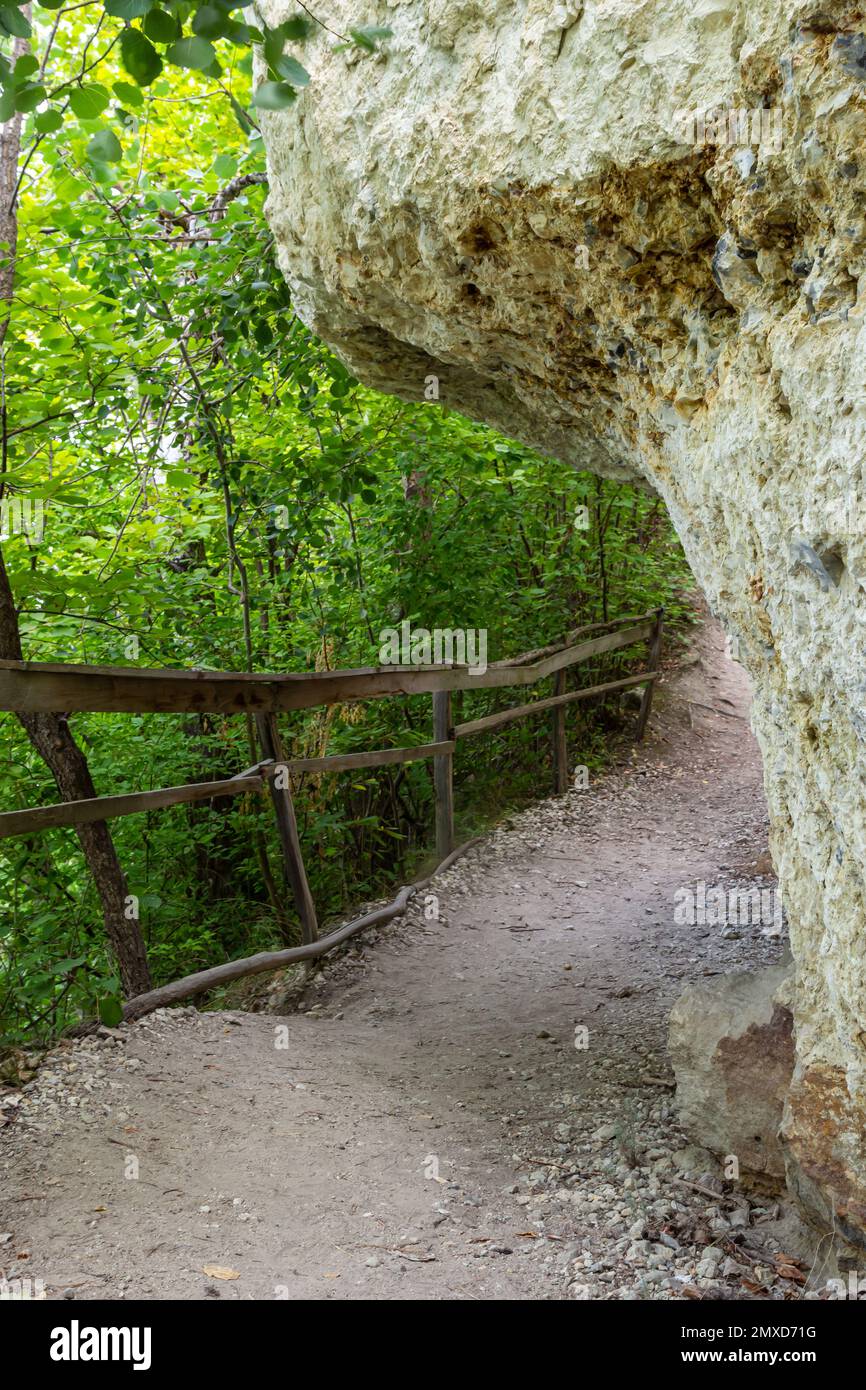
[
  {"x": 199, "y": 36},
  {"x": 88, "y": 102}
]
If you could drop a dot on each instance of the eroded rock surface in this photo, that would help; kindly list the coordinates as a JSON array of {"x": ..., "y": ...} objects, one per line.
[
  {"x": 521, "y": 205},
  {"x": 732, "y": 1049}
]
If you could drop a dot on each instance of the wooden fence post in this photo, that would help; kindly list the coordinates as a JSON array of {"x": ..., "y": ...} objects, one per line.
[
  {"x": 560, "y": 746},
  {"x": 287, "y": 825},
  {"x": 443, "y": 774},
  {"x": 654, "y": 658}
]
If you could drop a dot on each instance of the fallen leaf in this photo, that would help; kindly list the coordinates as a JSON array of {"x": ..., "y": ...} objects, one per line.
[{"x": 220, "y": 1272}]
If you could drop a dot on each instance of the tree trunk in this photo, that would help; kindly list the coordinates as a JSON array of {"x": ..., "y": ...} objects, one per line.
[
  {"x": 53, "y": 740},
  {"x": 50, "y": 733}
]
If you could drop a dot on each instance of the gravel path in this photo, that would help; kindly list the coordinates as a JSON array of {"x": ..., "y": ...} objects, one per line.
[{"x": 472, "y": 1107}]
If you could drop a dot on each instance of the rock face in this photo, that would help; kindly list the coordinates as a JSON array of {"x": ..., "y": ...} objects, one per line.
[
  {"x": 732, "y": 1047},
  {"x": 633, "y": 234}
]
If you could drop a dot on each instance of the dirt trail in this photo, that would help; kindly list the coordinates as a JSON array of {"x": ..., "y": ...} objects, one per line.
[{"x": 429, "y": 1129}]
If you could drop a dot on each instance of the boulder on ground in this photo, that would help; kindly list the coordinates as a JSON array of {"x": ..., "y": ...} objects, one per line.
[{"x": 732, "y": 1047}]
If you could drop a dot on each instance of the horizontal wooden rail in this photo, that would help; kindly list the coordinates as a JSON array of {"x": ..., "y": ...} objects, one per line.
[
  {"x": 97, "y": 808},
  {"x": 506, "y": 716},
  {"x": 253, "y": 779},
  {"x": 32, "y": 687},
  {"x": 345, "y": 762}
]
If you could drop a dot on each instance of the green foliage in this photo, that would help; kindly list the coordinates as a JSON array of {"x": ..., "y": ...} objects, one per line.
[
  {"x": 220, "y": 492},
  {"x": 205, "y": 36}
]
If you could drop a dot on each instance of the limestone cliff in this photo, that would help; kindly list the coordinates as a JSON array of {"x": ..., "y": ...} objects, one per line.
[{"x": 577, "y": 218}]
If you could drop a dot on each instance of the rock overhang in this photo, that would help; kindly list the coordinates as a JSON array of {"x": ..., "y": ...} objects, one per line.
[{"x": 511, "y": 200}]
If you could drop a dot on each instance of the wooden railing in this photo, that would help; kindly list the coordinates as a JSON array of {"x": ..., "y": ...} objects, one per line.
[{"x": 29, "y": 687}]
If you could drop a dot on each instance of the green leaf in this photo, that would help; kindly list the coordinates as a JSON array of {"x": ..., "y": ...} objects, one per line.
[
  {"x": 161, "y": 27},
  {"x": 298, "y": 28},
  {"x": 111, "y": 1011},
  {"x": 52, "y": 4},
  {"x": 191, "y": 53},
  {"x": 369, "y": 35},
  {"x": 273, "y": 46},
  {"x": 125, "y": 91},
  {"x": 140, "y": 58},
  {"x": 7, "y": 104},
  {"x": 105, "y": 148},
  {"x": 62, "y": 967},
  {"x": 175, "y": 477},
  {"x": 127, "y": 9},
  {"x": 225, "y": 166},
  {"x": 13, "y": 22},
  {"x": 274, "y": 96},
  {"x": 292, "y": 71},
  {"x": 28, "y": 97},
  {"x": 88, "y": 102},
  {"x": 26, "y": 64},
  {"x": 47, "y": 121},
  {"x": 210, "y": 22},
  {"x": 241, "y": 116}
]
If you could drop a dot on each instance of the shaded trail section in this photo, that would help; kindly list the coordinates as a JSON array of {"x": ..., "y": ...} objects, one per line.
[{"x": 427, "y": 1127}]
